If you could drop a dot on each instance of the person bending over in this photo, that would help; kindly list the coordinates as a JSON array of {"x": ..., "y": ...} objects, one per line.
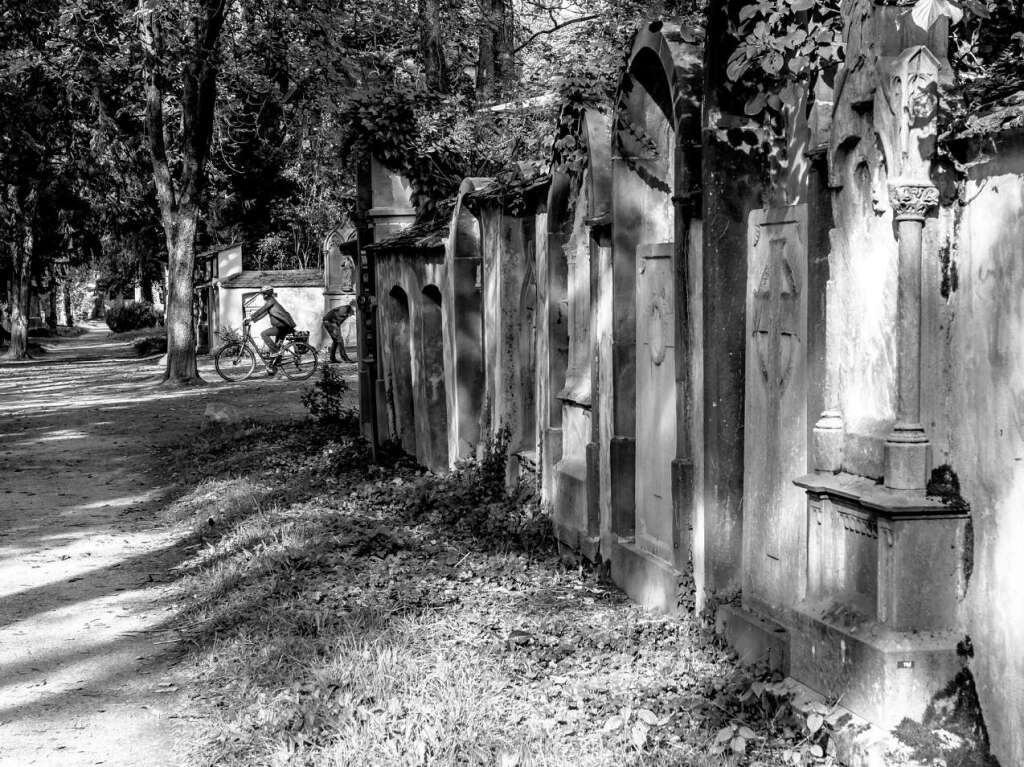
[
  {"x": 281, "y": 322},
  {"x": 332, "y": 322}
]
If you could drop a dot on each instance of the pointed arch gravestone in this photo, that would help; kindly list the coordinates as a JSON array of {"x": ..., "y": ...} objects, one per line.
[
  {"x": 434, "y": 435},
  {"x": 656, "y": 439},
  {"x": 578, "y": 254},
  {"x": 464, "y": 329},
  {"x": 399, "y": 381},
  {"x": 504, "y": 225}
]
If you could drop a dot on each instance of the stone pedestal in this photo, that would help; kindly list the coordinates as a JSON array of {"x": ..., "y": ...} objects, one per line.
[
  {"x": 884, "y": 568},
  {"x": 827, "y": 447}
]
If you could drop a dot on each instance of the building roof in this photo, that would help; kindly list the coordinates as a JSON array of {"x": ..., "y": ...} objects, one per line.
[
  {"x": 276, "y": 278},
  {"x": 429, "y": 235},
  {"x": 501, "y": 192},
  {"x": 220, "y": 249}
]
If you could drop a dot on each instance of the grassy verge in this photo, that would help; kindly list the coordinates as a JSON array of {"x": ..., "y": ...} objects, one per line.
[{"x": 346, "y": 614}]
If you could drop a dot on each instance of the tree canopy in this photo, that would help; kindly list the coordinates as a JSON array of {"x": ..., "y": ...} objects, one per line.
[{"x": 134, "y": 132}]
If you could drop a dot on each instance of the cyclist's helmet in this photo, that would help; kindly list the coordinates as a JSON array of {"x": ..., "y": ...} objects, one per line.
[{"x": 266, "y": 289}]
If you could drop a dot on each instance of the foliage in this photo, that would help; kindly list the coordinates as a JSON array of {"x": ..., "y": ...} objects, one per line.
[
  {"x": 150, "y": 345},
  {"x": 132, "y": 315},
  {"x": 781, "y": 49},
  {"x": 781, "y": 45},
  {"x": 757, "y": 715},
  {"x": 271, "y": 252},
  {"x": 476, "y": 498},
  {"x": 321, "y": 607},
  {"x": 326, "y": 400},
  {"x": 987, "y": 53}
]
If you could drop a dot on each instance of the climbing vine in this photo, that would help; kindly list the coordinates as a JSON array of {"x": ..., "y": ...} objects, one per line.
[
  {"x": 783, "y": 47},
  {"x": 387, "y": 125}
]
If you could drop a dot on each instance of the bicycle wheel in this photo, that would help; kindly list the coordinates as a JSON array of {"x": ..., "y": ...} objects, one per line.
[
  {"x": 234, "y": 362},
  {"x": 298, "y": 360}
]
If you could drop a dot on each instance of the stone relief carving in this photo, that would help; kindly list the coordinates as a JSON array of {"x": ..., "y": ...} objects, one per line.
[
  {"x": 776, "y": 317},
  {"x": 910, "y": 201},
  {"x": 657, "y": 325},
  {"x": 347, "y": 269}
]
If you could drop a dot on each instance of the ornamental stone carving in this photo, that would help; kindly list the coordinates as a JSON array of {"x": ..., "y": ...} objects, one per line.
[{"x": 912, "y": 200}]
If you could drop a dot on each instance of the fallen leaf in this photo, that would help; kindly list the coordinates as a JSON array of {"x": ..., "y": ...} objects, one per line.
[
  {"x": 647, "y": 716},
  {"x": 613, "y": 724},
  {"x": 814, "y": 722},
  {"x": 638, "y": 735}
]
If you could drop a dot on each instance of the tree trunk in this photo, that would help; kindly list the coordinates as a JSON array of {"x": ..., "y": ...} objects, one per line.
[
  {"x": 69, "y": 311},
  {"x": 495, "y": 69},
  {"x": 19, "y": 296},
  {"x": 145, "y": 284},
  {"x": 51, "y": 314},
  {"x": 504, "y": 61},
  {"x": 180, "y": 203},
  {"x": 182, "y": 368},
  {"x": 485, "y": 52},
  {"x": 431, "y": 36}
]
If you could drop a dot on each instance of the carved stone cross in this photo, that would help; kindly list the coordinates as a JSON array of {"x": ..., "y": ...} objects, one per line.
[{"x": 777, "y": 316}]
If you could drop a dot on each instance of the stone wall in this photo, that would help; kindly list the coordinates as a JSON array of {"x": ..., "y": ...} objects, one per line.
[
  {"x": 977, "y": 404},
  {"x": 306, "y": 305},
  {"x": 750, "y": 384}
]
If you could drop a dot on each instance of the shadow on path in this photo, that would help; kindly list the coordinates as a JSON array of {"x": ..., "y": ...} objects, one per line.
[{"x": 86, "y": 665}]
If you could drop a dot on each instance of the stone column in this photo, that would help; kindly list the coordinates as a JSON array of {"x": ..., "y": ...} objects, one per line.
[
  {"x": 906, "y": 446},
  {"x": 829, "y": 430}
]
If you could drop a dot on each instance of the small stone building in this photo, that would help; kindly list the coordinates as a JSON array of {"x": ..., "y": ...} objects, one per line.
[
  {"x": 226, "y": 293},
  {"x": 300, "y": 291}
]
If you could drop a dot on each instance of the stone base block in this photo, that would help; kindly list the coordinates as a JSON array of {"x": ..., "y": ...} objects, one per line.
[
  {"x": 551, "y": 450},
  {"x": 569, "y": 508},
  {"x": 572, "y": 539},
  {"x": 647, "y": 579},
  {"x": 880, "y": 675},
  {"x": 906, "y": 465},
  {"x": 623, "y": 468},
  {"x": 755, "y": 639}
]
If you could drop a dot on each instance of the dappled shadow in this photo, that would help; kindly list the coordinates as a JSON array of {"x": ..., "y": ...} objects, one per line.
[
  {"x": 87, "y": 562},
  {"x": 357, "y": 586}
]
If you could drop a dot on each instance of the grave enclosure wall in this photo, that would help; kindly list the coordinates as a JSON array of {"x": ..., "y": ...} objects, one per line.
[{"x": 727, "y": 381}]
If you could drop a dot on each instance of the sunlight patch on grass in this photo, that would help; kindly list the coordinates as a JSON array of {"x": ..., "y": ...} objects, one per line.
[
  {"x": 218, "y": 501},
  {"x": 354, "y": 616}
]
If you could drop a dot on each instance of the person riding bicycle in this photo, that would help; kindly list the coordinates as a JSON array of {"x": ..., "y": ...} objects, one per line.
[{"x": 281, "y": 322}]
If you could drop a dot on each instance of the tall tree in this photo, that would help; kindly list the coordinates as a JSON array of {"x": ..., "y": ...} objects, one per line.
[
  {"x": 180, "y": 45},
  {"x": 38, "y": 155},
  {"x": 435, "y": 67},
  {"x": 495, "y": 69}
]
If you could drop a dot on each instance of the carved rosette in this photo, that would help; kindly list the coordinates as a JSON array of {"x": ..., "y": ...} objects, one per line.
[{"x": 911, "y": 200}]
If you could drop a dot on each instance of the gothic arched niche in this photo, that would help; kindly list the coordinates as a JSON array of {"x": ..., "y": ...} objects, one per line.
[{"x": 400, "y": 336}]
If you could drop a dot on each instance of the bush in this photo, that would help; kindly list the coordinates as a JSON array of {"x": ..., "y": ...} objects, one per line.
[
  {"x": 326, "y": 400},
  {"x": 132, "y": 315},
  {"x": 475, "y": 498},
  {"x": 148, "y": 345}
]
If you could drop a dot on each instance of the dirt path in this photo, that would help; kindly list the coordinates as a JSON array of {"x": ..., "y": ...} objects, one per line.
[{"x": 87, "y": 673}]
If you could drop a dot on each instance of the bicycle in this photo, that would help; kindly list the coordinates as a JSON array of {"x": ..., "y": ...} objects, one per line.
[{"x": 236, "y": 359}]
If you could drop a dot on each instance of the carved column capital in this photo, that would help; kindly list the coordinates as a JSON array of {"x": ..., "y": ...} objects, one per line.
[{"x": 911, "y": 200}]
